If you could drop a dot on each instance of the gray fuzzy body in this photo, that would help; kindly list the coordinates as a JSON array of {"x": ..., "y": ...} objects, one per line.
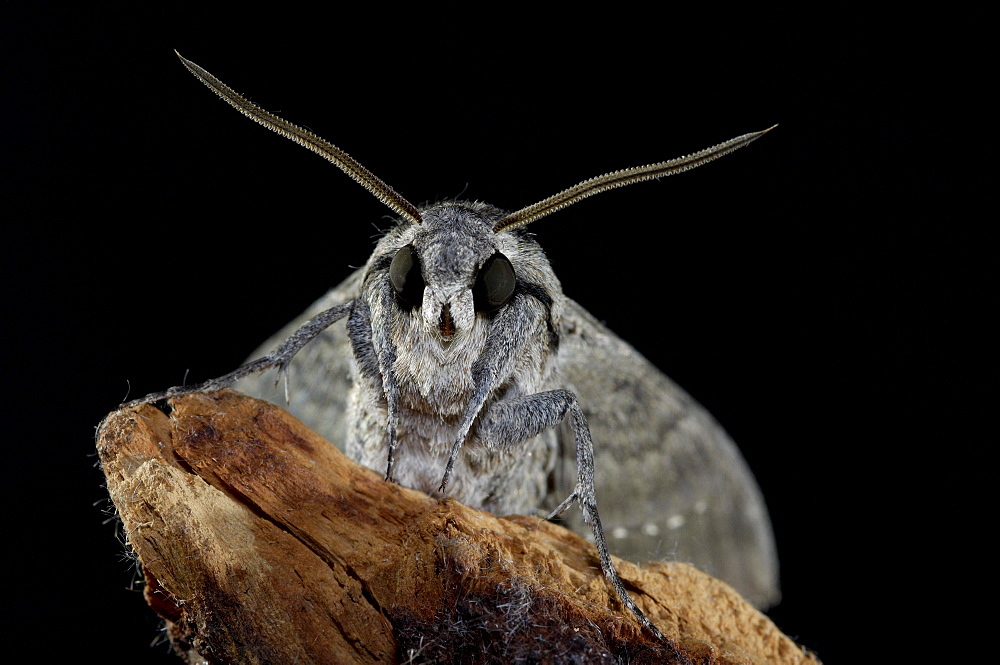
[{"x": 511, "y": 351}]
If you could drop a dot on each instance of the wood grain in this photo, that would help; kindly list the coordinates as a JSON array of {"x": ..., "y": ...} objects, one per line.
[{"x": 261, "y": 543}]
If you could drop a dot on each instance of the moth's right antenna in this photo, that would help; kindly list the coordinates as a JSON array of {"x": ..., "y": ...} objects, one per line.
[
  {"x": 303, "y": 137},
  {"x": 620, "y": 179}
]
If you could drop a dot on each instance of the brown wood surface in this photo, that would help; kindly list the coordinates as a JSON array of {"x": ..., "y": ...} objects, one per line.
[{"x": 262, "y": 543}]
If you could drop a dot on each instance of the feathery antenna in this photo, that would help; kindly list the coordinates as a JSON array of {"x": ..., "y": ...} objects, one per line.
[
  {"x": 303, "y": 137},
  {"x": 621, "y": 178}
]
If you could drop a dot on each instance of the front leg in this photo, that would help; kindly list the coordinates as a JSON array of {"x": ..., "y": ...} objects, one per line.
[
  {"x": 509, "y": 423},
  {"x": 279, "y": 358}
]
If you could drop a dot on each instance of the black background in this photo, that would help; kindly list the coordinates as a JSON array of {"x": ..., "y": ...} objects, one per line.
[{"x": 825, "y": 292}]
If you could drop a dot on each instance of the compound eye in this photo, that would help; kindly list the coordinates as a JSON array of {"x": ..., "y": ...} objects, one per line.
[
  {"x": 407, "y": 281},
  {"x": 494, "y": 284}
]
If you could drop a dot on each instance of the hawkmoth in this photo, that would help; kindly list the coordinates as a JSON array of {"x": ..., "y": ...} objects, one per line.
[{"x": 453, "y": 363}]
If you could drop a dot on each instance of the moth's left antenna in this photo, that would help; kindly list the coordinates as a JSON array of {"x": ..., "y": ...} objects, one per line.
[
  {"x": 621, "y": 178},
  {"x": 303, "y": 137}
]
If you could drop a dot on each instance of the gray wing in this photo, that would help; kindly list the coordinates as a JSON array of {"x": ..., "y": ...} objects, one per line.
[
  {"x": 671, "y": 484},
  {"x": 320, "y": 375}
]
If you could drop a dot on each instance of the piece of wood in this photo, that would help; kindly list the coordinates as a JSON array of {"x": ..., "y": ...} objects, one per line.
[{"x": 261, "y": 543}]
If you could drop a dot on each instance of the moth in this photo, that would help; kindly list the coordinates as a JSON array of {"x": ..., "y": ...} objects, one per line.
[{"x": 452, "y": 362}]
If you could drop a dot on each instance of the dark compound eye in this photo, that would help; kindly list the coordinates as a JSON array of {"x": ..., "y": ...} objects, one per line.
[
  {"x": 494, "y": 284},
  {"x": 404, "y": 273}
]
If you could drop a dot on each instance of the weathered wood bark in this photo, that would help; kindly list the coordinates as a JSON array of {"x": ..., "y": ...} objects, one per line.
[{"x": 262, "y": 543}]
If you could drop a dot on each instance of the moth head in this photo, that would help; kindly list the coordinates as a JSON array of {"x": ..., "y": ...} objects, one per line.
[{"x": 453, "y": 267}]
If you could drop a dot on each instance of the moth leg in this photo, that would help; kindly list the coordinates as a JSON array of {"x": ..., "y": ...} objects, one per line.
[
  {"x": 279, "y": 358},
  {"x": 509, "y": 423},
  {"x": 375, "y": 354}
]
